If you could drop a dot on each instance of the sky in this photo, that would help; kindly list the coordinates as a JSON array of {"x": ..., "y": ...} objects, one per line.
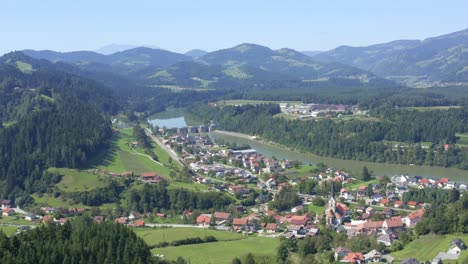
[{"x": 180, "y": 26}]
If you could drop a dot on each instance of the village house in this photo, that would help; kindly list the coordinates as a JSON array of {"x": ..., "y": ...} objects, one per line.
[
  {"x": 121, "y": 220},
  {"x": 8, "y": 212},
  {"x": 151, "y": 177},
  {"x": 138, "y": 223},
  {"x": 353, "y": 257},
  {"x": 30, "y": 217},
  {"x": 6, "y": 204},
  {"x": 392, "y": 224},
  {"x": 99, "y": 219},
  {"x": 204, "y": 219},
  {"x": 456, "y": 246},
  {"x": 271, "y": 228},
  {"x": 221, "y": 217},
  {"x": 341, "y": 252},
  {"x": 373, "y": 256},
  {"x": 240, "y": 224},
  {"x": 300, "y": 220}
]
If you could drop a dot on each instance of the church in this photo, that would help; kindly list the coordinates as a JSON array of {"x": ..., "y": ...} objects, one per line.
[{"x": 335, "y": 212}]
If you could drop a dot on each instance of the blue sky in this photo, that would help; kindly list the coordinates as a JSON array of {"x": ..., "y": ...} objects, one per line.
[{"x": 183, "y": 25}]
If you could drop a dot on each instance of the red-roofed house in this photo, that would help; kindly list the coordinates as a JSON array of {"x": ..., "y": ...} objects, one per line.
[
  {"x": 300, "y": 220},
  {"x": 399, "y": 204},
  {"x": 138, "y": 223},
  {"x": 204, "y": 219},
  {"x": 412, "y": 204},
  {"x": 62, "y": 221},
  {"x": 412, "y": 219},
  {"x": 271, "y": 228},
  {"x": 99, "y": 219},
  {"x": 121, "y": 220},
  {"x": 6, "y": 204},
  {"x": 392, "y": 224},
  {"x": 239, "y": 223},
  {"x": 151, "y": 177},
  {"x": 384, "y": 202},
  {"x": 8, "y": 212},
  {"x": 353, "y": 257},
  {"x": 47, "y": 218},
  {"x": 221, "y": 216}
]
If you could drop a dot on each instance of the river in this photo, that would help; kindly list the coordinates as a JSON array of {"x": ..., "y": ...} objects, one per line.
[{"x": 349, "y": 165}]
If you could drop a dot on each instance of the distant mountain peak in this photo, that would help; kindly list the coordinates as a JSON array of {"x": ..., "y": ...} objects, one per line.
[
  {"x": 114, "y": 48},
  {"x": 196, "y": 53}
]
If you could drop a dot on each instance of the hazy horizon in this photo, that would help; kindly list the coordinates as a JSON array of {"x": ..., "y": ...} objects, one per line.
[{"x": 210, "y": 25}]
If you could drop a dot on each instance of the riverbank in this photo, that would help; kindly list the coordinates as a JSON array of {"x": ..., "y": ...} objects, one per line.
[{"x": 353, "y": 166}]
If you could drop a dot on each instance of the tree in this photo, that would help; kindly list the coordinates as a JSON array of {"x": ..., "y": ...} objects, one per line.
[
  {"x": 236, "y": 261},
  {"x": 250, "y": 259},
  {"x": 365, "y": 175},
  {"x": 282, "y": 254}
]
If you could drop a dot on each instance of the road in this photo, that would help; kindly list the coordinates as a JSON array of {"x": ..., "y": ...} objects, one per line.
[
  {"x": 175, "y": 225},
  {"x": 164, "y": 147}
]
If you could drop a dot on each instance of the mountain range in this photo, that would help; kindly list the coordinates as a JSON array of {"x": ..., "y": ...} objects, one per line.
[
  {"x": 437, "y": 61},
  {"x": 441, "y": 60}
]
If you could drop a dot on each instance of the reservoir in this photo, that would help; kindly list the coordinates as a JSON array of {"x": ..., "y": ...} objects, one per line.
[
  {"x": 171, "y": 118},
  {"x": 353, "y": 166}
]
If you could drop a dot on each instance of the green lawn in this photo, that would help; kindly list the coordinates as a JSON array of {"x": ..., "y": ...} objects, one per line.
[
  {"x": 24, "y": 67},
  {"x": 358, "y": 183},
  {"x": 75, "y": 180},
  {"x": 303, "y": 171},
  {"x": 316, "y": 209},
  {"x": 463, "y": 141},
  {"x": 427, "y": 247},
  {"x": 49, "y": 200},
  {"x": 155, "y": 236},
  {"x": 8, "y": 230},
  {"x": 221, "y": 252},
  {"x": 13, "y": 220}
]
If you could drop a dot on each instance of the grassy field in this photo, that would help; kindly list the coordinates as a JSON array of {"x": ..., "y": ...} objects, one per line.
[
  {"x": 13, "y": 220},
  {"x": 49, "y": 200},
  {"x": 303, "y": 171},
  {"x": 463, "y": 142},
  {"x": 75, "y": 180},
  {"x": 358, "y": 183},
  {"x": 120, "y": 157},
  {"x": 430, "y": 108},
  {"x": 427, "y": 247},
  {"x": 155, "y": 236},
  {"x": 8, "y": 230},
  {"x": 221, "y": 252},
  {"x": 244, "y": 102},
  {"x": 314, "y": 209}
]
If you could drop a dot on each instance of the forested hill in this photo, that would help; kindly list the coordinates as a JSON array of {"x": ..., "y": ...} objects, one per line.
[
  {"x": 78, "y": 241},
  {"x": 432, "y": 61},
  {"x": 50, "y": 118}
]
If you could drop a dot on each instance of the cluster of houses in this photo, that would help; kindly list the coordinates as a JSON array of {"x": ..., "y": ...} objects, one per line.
[
  {"x": 315, "y": 110},
  {"x": 428, "y": 182}
]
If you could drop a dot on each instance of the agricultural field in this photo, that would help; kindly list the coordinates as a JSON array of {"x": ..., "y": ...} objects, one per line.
[
  {"x": 463, "y": 141},
  {"x": 431, "y": 108},
  {"x": 15, "y": 220},
  {"x": 156, "y": 236},
  {"x": 222, "y": 252},
  {"x": 354, "y": 185},
  {"x": 121, "y": 157},
  {"x": 425, "y": 248},
  {"x": 75, "y": 180},
  {"x": 8, "y": 230},
  {"x": 254, "y": 102},
  {"x": 303, "y": 171}
]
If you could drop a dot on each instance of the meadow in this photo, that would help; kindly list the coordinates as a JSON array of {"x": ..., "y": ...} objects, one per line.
[
  {"x": 222, "y": 252},
  {"x": 425, "y": 248}
]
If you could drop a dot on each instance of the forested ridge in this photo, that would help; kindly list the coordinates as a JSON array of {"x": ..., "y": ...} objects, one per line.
[
  {"x": 354, "y": 139},
  {"x": 77, "y": 241},
  {"x": 58, "y": 120}
]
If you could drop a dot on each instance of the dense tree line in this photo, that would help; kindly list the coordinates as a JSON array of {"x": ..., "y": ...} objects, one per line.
[
  {"x": 445, "y": 218},
  {"x": 432, "y": 196},
  {"x": 285, "y": 199},
  {"x": 353, "y": 139},
  {"x": 78, "y": 241},
  {"x": 98, "y": 196},
  {"x": 160, "y": 197},
  {"x": 187, "y": 241}
]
